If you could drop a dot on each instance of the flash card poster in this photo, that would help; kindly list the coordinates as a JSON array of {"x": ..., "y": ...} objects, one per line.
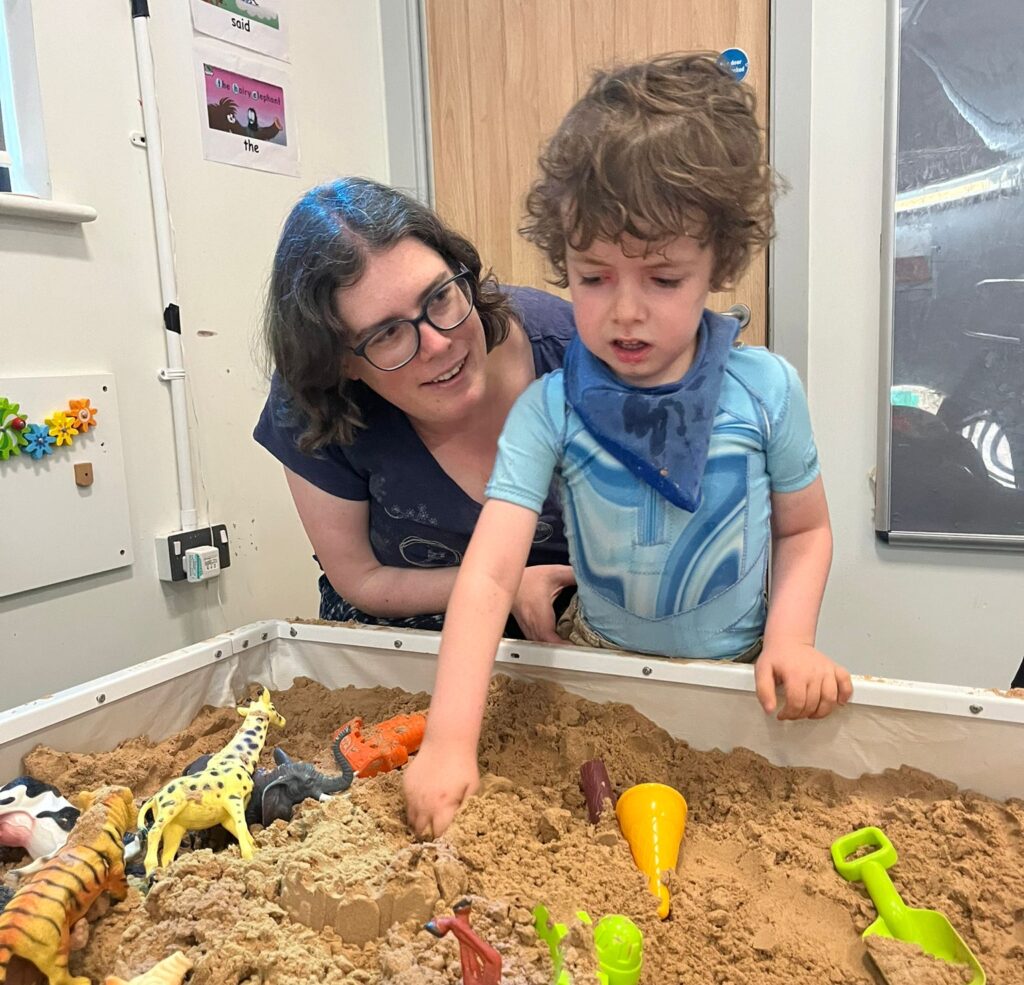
[
  {"x": 255, "y": 24},
  {"x": 244, "y": 113}
]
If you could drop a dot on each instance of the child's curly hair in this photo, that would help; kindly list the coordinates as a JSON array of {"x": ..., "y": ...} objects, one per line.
[{"x": 656, "y": 150}]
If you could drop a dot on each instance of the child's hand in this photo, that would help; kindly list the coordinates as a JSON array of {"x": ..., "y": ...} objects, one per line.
[
  {"x": 436, "y": 782},
  {"x": 533, "y": 603},
  {"x": 812, "y": 683}
]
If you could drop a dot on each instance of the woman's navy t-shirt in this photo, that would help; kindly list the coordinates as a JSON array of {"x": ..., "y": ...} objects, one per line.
[{"x": 419, "y": 517}]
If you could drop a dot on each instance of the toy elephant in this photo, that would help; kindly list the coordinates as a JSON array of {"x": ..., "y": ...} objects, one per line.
[{"x": 277, "y": 792}]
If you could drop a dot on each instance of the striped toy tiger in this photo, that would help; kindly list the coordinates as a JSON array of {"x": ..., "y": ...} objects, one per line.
[{"x": 36, "y": 924}]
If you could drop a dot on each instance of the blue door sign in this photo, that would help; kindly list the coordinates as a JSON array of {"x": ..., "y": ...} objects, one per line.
[{"x": 736, "y": 60}]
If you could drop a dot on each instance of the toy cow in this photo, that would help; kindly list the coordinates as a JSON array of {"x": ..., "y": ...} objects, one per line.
[{"x": 35, "y": 817}]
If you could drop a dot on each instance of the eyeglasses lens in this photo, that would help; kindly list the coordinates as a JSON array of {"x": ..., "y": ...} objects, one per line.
[{"x": 446, "y": 309}]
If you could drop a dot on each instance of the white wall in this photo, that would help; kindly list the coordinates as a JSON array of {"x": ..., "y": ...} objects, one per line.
[
  {"x": 87, "y": 299},
  {"x": 83, "y": 299},
  {"x": 925, "y": 614}
]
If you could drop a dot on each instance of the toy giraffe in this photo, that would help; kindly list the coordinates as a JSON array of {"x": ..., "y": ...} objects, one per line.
[{"x": 216, "y": 795}]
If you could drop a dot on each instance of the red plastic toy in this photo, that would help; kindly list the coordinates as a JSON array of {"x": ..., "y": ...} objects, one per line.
[{"x": 481, "y": 963}]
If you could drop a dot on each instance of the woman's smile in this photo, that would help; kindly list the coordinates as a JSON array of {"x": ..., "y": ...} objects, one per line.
[{"x": 449, "y": 376}]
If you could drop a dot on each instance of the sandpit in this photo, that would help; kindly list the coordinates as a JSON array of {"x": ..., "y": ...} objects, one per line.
[{"x": 341, "y": 893}]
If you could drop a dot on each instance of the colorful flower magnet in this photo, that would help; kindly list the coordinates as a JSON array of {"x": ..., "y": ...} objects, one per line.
[
  {"x": 12, "y": 429},
  {"x": 62, "y": 427},
  {"x": 38, "y": 441},
  {"x": 83, "y": 414}
]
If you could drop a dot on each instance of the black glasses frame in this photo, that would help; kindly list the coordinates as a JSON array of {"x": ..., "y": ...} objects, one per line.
[{"x": 463, "y": 275}]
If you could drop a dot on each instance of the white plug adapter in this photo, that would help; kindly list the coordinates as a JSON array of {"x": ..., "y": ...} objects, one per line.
[{"x": 201, "y": 563}]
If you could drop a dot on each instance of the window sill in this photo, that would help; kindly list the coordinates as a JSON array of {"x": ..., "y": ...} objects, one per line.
[{"x": 27, "y": 207}]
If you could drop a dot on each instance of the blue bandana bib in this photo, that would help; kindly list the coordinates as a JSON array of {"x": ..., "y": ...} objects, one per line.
[{"x": 662, "y": 433}]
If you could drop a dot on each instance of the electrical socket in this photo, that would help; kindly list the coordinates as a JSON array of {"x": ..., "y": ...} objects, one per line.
[{"x": 170, "y": 549}]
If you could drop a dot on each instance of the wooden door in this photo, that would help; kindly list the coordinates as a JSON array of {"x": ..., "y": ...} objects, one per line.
[{"x": 502, "y": 74}]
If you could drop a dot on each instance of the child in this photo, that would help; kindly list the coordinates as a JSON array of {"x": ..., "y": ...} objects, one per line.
[{"x": 680, "y": 457}]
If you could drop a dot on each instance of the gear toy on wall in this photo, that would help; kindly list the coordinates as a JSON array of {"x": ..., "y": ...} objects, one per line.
[
  {"x": 62, "y": 427},
  {"x": 82, "y": 414},
  {"x": 12, "y": 428},
  {"x": 39, "y": 440}
]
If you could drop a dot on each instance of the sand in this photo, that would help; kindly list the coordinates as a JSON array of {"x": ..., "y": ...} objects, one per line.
[
  {"x": 904, "y": 963},
  {"x": 341, "y": 893}
]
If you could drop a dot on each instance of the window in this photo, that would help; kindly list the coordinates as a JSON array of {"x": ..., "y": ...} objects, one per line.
[
  {"x": 23, "y": 164},
  {"x": 6, "y": 159}
]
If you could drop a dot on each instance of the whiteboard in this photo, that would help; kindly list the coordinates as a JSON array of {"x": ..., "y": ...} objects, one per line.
[
  {"x": 54, "y": 530},
  {"x": 951, "y": 439}
]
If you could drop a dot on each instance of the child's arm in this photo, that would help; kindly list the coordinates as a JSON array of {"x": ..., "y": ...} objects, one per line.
[
  {"x": 444, "y": 771},
  {"x": 801, "y": 556}
]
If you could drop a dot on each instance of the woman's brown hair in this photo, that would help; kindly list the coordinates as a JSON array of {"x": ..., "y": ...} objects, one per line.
[
  {"x": 324, "y": 247},
  {"x": 657, "y": 150}
]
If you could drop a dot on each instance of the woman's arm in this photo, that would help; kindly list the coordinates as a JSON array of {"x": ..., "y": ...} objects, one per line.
[
  {"x": 801, "y": 556},
  {"x": 444, "y": 772},
  {"x": 339, "y": 530}
]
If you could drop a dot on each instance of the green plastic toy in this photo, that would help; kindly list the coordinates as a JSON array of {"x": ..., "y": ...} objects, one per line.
[
  {"x": 928, "y": 929},
  {"x": 618, "y": 944}
]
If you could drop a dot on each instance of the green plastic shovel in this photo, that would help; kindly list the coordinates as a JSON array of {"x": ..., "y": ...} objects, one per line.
[
  {"x": 928, "y": 929},
  {"x": 618, "y": 943}
]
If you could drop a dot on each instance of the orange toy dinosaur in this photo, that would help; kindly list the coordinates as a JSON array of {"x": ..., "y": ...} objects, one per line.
[
  {"x": 382, "y": 747},
  {"x": 36, "y": 924}
]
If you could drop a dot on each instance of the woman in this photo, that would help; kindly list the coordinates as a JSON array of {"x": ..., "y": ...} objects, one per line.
[{"x": 395, "y": 363}]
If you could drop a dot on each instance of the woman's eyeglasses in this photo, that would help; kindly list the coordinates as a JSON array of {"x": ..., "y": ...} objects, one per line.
[{"x": 393, "y": 345}]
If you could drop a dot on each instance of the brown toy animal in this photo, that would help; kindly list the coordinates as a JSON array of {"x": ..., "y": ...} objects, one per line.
[{"x": 36, "y": 924}]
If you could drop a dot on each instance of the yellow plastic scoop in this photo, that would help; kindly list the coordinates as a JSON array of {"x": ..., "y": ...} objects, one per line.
[
  {"x": 652, "y": 818},
  {"x": 928, "y": 929}
]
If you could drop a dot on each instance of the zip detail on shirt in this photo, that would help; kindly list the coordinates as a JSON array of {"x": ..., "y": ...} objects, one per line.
[{"x": 650, "y": 521}]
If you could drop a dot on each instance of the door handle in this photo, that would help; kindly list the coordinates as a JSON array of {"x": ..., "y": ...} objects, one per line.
[{"x": 741, "y": 312}]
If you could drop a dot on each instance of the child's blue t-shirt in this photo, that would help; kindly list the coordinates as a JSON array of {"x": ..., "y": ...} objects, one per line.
[
  {"x": 419, "y": 517},
  {"x": 653, "y": 577}
]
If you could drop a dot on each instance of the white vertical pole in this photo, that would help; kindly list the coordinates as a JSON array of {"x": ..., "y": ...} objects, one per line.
[{"x": 174, "y": 373}]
